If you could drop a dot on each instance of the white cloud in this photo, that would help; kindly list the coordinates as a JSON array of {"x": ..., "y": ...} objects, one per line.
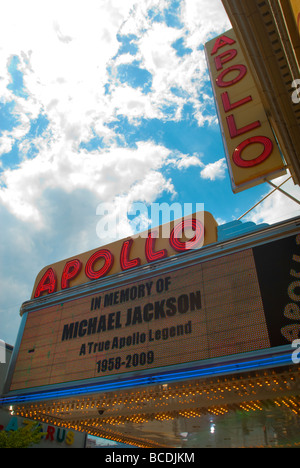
[
  {"x": 203, "y": 20},
  {"x": 213, "y": 171},
  {"x": 187, "y": 73},
  {"x": 6, "y": 143},
  {"x": 56, "y": 42},
  {"x": 184, "y": 161},
  {"x": 132, "y": 103},
  {"x": 106, "y": 174},
  {"x": 68, "y": 53},
  {"x": 65, "y": 50}
]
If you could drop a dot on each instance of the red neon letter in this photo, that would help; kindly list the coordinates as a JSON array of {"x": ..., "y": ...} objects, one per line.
[
  {"x": 221, "y": 42},
  {"x": 108, "y": 263},
  {"x": 47, "y": 283},
  {"x": 234, "y": 132},
  {"x": 177, "y": 231},
  {"x": 237, "y": 154},
  {"x": 242, "y": 69},
  {"x": 150, "y": 253},
  {"x": 224, "y": 58},
  {"x": 71, "y": 269},
  {"x": 227, "y": 104},
  {"x": 125, "y": 263}
]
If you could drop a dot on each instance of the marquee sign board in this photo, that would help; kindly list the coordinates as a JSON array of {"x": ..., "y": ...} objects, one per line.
[
  {"x": 235, "y": 302},
  {"x": 251, "y": 149}
]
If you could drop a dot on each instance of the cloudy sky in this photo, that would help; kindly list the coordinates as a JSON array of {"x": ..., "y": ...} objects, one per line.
[{"x": 105, "y": 101}]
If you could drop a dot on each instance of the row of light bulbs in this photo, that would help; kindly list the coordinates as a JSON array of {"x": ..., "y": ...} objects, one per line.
[
  {"x": 100, "y": 427},
  {"x": 65, "y": 413},
  {"x": 292, "y": 403},
  {"x": 183, "y": 394}
]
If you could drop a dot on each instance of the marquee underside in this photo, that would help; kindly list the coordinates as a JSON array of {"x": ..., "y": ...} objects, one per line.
[{"x": 250, "y": 409}]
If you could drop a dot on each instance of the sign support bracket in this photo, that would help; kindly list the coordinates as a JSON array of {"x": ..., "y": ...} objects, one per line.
[
  {"x": 282, "y": 191},
  {"x": 276, "y": 187}
]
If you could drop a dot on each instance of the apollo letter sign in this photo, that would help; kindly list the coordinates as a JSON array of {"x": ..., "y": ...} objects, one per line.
[{"x": 251, "y": 149}]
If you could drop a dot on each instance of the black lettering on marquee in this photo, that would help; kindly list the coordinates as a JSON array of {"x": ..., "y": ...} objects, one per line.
[
  {"x": 136, "y": 338},
  {"x": 124, "y": 295},
  {"x": 151, "y": 311},
  {"x": 68, "y": 332},
  {"x": 96, "y": 303},
  {"x": 159, "y": 311}
]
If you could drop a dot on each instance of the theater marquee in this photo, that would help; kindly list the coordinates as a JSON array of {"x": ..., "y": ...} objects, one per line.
[{"x": 184, "y": 314}]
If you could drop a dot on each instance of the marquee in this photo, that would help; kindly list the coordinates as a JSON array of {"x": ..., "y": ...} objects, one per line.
[{"x": 219, "y": 302}]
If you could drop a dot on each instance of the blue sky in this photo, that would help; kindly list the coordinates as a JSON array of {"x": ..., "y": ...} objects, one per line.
[{"x": 105, "y": 102}]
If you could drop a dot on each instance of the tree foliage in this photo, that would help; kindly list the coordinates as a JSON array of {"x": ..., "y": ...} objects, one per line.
[{"x": 24, "y": 437}]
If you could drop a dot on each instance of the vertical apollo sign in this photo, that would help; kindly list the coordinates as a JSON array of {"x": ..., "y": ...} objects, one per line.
[
  {"x": 295, "y": 5},
  {"x": 251, "y": 149}
]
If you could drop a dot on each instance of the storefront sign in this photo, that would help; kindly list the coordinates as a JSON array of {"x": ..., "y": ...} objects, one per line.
[
  {"x": 251, "y": 149},
  {"x": 51, "y": 436}
]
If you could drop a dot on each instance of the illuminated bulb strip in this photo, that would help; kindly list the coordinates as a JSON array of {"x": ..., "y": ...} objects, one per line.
[
  {"x": 85, "y": 426},
  {"x": 150, "y": 380},
  {"x": 144, "y": 395}
]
